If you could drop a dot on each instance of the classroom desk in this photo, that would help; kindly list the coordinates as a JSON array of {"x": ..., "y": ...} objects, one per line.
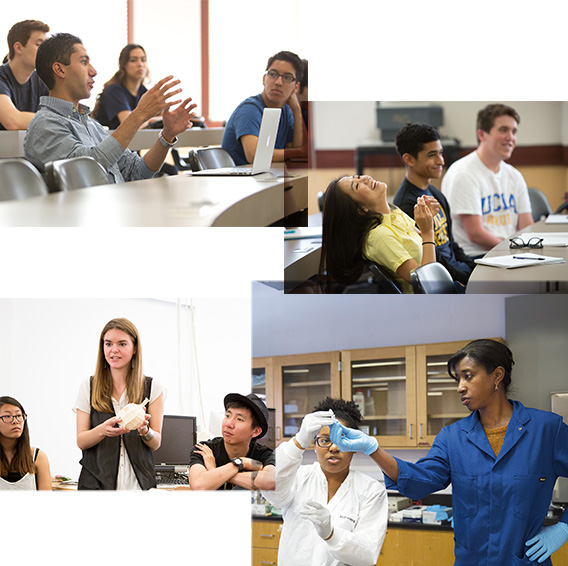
[
  {"x": 302, "y": 256},
  {"x": 551, "y": 278},
  {"x": 12, "y": 142},
  {"x": 179, "y": 200}
]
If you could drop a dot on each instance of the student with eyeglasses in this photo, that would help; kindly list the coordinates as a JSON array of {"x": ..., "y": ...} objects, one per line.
[
  {"x": 22, "y": 467},
  {"x": 333, "y": 515},
  {"x": 281, "y": 83}
]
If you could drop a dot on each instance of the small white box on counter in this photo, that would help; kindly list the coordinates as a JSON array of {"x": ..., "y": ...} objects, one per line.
[
  {"x": 413, "y": 514},
  {"x": 397, "y": 503},
  {"x": 429, "y": 517}
]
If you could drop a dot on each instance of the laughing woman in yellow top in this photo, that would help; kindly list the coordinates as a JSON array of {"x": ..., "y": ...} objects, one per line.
[{"x": 360, "y": 224}]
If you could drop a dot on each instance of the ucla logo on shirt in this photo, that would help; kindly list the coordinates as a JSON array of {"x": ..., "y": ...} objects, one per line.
[
  {"x": 441, "y": 228},
  {"x": 498, "y": 203}
]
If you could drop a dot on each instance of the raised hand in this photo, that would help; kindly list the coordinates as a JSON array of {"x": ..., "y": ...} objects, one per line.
[
  {"x": 352, "y": 440},
  {"x": 178, "y": 120},
  {"x": 311, "y": 423}
]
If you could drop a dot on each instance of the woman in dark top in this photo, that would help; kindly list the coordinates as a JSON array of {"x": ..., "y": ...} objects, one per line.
[
  {"x": 21, "y": 466},
  {"x": 122, "y": 92}
]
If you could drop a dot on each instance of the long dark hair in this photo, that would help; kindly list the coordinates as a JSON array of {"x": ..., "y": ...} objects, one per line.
[
  {"x": 22, "y": 461},
  {"x": 345, "y": 226},
  {"x": 120, "y": 76}
]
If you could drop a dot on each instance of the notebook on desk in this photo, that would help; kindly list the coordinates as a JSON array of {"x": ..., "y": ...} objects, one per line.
[{"x": 264, "y": 149}]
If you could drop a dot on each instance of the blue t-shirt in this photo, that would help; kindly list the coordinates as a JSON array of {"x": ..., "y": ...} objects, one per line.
[
  {"x": 115, "y": 99},
  {"x": 245, "y": 120},
  {"x": 24, "y": 97}
]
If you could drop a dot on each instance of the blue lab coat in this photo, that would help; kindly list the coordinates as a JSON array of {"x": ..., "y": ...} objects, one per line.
[{"x": 499, "y": 502}]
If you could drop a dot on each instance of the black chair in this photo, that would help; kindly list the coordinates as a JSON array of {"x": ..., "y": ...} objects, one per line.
[
  {"x": 19, "y": 179},
  {"x": 321, "y": 196},
  {"x": 383, "y": 278},
  {"x": 209, "y": 158},
  {"x": 75, "y": 173},
  {"x": 539, "y": 204},
  {"x": 432, "y": 278},
  {"x": 561, "y": 208}
]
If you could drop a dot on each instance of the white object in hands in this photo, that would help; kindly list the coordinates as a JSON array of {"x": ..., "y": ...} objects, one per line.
[{"x": 132, "y": 415}]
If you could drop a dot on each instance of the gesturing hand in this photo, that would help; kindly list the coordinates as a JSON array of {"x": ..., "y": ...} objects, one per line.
[
  {"x": 311, "y": 423},
  {"x": 158, "y": 98},
  {"x": 178, "y": 120},
  {"x": 352, "y": 440},
  {"x": 423, "y": 216},
  {"x": 320, "y": 517}
]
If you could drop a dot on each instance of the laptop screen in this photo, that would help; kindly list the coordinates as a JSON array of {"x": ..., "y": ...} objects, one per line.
[{"x": 179, "y": 436}]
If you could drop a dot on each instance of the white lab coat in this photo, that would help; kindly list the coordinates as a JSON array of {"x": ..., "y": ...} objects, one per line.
[{"x": 359, "y": 514}]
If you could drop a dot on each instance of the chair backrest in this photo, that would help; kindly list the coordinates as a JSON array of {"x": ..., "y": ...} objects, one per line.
[
  {"x": 539, "y": 204},
  {"x": 561, "y": 208},
  {"x": 432, "y": 278},
  {"x": 19, "y": 179},
  {"x": 75, "y": 173},
  {"x": 209, "y": 158},
  {"x": 384, "y": 280}
]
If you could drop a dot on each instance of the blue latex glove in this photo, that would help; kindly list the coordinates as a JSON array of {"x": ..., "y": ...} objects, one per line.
[
  {"x": 351, "y": 440},
  {"x": 547, "y": 542}
]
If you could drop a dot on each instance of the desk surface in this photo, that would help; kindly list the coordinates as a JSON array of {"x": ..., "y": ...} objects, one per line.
[
  {"x": 12, "y": 142},
  {"x": 533, "y": 279},
  {"x": 179, "y": 200},
  {"x": 302, "y": 256}
]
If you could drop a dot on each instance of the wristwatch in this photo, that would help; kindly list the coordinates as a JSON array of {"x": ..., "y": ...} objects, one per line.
[
  {"x": 239, "y": 463},
  {"x": 164, "y": 142}
]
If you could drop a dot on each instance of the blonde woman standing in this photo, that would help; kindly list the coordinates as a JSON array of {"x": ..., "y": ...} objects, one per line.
[{"x": 113, "y": 456}]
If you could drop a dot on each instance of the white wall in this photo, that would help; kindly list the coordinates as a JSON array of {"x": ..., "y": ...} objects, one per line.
[
  {"x": 49, "y": 347},
  {"x": 298, "y": 324},
  {"x": 342, "y": 125}
]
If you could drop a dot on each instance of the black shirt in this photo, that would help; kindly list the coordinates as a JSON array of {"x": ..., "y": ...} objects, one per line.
[
  {"x": 256, "y": 452},
  {"x": 448, "y": 251},
  {"x": 24, "y": 97}
]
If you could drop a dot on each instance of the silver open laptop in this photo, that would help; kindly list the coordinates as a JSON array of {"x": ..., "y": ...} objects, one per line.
[{"x": 264, "y": 149}]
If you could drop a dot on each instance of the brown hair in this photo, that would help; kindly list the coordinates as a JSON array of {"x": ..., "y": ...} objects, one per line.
[
  {"x": 102, "y": 379},
  {"x": 21, "y": 32},
  {"x": 486, "y": 116},
  {"x": 120, "y": 76},
  {"x": 22, "y": 461}
]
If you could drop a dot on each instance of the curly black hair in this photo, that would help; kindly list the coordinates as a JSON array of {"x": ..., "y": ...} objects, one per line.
[{"x": 346, "y": 411}]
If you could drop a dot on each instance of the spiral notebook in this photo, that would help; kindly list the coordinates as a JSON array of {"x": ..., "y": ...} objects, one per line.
[{"x": 524, "y": 259}]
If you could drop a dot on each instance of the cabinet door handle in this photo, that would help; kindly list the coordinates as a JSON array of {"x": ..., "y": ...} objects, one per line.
[
  {"x": 420, "y": 430},
  {"x": 410, "y": 430},
  {"x": 278, "y": 433},
  {"x": 265, "y": 562},
  {"x": 266, "y": 536}
]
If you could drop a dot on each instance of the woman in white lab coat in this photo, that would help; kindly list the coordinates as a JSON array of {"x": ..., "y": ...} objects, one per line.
[{"x": 333, "y": 515}]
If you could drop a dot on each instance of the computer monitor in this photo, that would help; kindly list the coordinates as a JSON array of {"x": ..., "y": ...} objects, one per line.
[{"x": 179, "y": 436}]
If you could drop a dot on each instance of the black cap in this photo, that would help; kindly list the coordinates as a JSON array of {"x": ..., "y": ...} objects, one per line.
[{"x": 255, "y": 404}]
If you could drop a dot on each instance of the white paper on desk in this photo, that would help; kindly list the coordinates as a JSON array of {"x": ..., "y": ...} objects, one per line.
[
  {"x": 549, "y": 239},
  {"x": 556, "y": 219},
  {"x": 303, "y": 233},
  {"x": 509, "y": 261}
]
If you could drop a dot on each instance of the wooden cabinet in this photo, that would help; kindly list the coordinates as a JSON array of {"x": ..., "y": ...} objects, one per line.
[
  {"x": 265, "y": 539},
  {"x": 416, "y": 547},
  {"x": 404, "y": 392}
]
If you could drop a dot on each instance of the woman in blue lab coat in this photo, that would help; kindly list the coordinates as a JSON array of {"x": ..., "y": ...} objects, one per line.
[{"x": 502, "y": 461}]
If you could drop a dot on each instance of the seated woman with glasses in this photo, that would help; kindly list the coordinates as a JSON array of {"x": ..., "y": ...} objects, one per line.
[
  {"x": 332, "y": 514},
  {"x": 359, "y": 224},
  {"x": 21, "y": 465}
]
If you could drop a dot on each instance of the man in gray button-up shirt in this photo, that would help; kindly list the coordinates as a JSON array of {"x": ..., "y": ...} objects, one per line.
[{"x": 62, "y": 128}]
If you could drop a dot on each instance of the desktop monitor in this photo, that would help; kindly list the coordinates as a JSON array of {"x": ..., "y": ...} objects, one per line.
[{"x": 179, "y": 436}]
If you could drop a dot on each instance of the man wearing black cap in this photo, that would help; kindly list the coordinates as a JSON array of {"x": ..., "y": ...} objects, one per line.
[{"x": 235, "y": 459}]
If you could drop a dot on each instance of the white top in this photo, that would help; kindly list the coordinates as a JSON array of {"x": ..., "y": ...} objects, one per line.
[
  {"x": 26, "y": 483},
  {"x": 126, "y": 477},
  {"x": 359, "y": 514},
  {"x": 499, "y": 198}
]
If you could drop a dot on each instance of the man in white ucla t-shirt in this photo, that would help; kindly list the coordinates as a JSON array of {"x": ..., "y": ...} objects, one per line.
[{"x": 488, "y": 197}]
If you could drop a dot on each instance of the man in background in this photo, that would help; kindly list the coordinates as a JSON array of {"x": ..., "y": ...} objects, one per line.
[
  {"x": 235, "y": 460},
  {"x": 281, "y": 83},
  {"x": 489, "y": 198},
  {"x": 421, "y": 150},
  {"x": 20, "y": 86}
]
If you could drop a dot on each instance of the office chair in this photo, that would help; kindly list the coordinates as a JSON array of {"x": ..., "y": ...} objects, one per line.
[
  {"x": 539, "y": 204},
  {"x": 561, "y": 208},
  {"x": 321, "y": 196},
  {"x": 19, "y": 179},
  {"x": 209, "y": 158},
  {"x": 432, "y": 278},
  {"x": 75, "y": 173}
]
